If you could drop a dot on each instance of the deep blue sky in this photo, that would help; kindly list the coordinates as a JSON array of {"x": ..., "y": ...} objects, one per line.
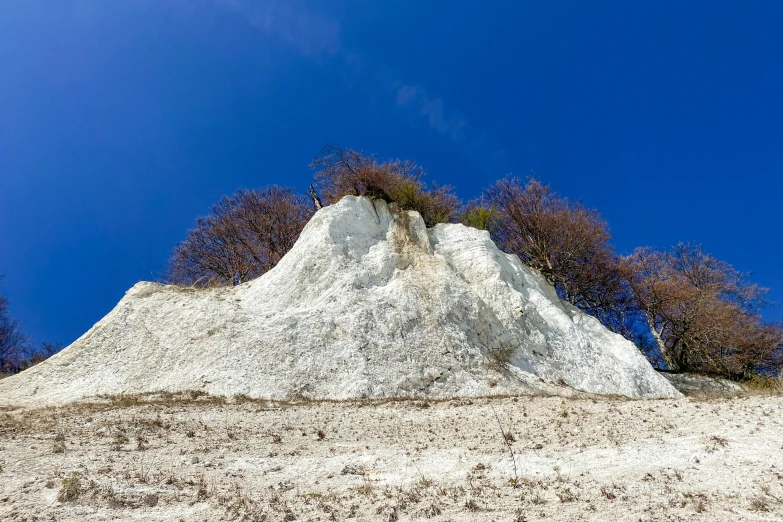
[{"x": 122, "y": 121}]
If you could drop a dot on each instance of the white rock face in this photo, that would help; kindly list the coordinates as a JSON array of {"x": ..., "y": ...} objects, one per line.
[{"x": 368, "y": 303}]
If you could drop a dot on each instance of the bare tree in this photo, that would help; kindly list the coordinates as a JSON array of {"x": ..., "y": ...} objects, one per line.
[
  {"x": 567, "y": 242},
  {"x": 244, "y": 236},
  {"x": 38, "y": 355},
  {"x": 702, "y": 313},
  {"x": 13, "y": 342},
  {"x": 342, "y": 172}
]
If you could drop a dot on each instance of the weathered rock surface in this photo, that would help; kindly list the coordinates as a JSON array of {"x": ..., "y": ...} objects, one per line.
[
  {"x": 368, "y": 303},
  {"x": 697, "y": 385}
]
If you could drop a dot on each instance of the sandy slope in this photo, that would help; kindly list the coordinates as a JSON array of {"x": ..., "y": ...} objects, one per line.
[
  {"x": 368, "y": 303},
  {"x": 577, "y": 459}
]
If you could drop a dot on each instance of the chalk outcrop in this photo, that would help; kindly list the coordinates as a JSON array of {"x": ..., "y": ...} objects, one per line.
[{"x": 368, "y": 303}]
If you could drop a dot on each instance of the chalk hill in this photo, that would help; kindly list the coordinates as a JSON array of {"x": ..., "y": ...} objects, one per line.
[{"x": 368, "y": 303}]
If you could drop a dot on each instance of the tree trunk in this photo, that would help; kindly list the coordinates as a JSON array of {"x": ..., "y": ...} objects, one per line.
[
  {"x": 668, "y": 357},
  {"x": 316, "y": 199}
]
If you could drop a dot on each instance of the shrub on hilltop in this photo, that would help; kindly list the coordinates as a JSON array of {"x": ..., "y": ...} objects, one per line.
[
  {"x": 244, "y": 236},
  {"x": 342, "y": 172},
  {"x": 564, "y": 240},
  {"x": 478, "y": 214}
]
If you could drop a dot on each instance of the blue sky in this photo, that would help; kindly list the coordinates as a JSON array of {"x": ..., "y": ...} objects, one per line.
[{"x": 122, "y": 121}]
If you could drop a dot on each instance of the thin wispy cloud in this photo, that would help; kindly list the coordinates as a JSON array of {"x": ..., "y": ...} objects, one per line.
[
  {"x": 453, "y": 124},
  {"x": 415, "y": 98},
  {"x": 311, "y": 32},
  {"x": 315, "y": 34}
]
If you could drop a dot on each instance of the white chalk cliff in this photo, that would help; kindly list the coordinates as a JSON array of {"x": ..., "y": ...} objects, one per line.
[{"x": 368, "y": 303}]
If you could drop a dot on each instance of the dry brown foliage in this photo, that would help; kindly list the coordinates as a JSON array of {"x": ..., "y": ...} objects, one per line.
[
  {"x": 343, "y": 172},
  {"x": 567, "y": 242},
  {"x": 244, "y": 236},
  {"x": 702, "y": 313}
]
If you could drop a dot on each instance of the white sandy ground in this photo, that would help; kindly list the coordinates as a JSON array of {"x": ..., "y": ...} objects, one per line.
[
  {"x": 368, "y": 303},
  {"x": 597, "y": 459}
]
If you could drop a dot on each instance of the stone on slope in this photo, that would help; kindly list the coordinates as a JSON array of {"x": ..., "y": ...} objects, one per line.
[
  {"x": 698, "y": 385},
  {"x": 368, "y": 303}
]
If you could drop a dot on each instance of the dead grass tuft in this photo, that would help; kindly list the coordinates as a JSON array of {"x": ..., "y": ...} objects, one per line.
[
  {"x": 764, "y": 385},
  {"x": 566, "y": 495},
  {"x": 71, "y": 489},
  {"x": 759, "y": 503}
]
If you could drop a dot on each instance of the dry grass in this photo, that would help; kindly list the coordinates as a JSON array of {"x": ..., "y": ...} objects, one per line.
[
  {"x": 410, "y": 459},
  {"x": 71, "y": 489},
  {"x": 762, "y": 385}
]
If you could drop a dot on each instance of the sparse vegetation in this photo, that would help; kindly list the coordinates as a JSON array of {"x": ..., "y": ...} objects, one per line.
[
  {"x": 766, "y": 383},
  {"x": 759, "y": 503},
  {"x": 383, "y": 458},
  {"x": 500, "y": 356},
  {"x": 342, "y": 172},
  {"x": 566, "y": 495},
  {"x": 71, "y": 489},
  {"x": 479, "y": 216},
  {"x": 215, "y": 471}
]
